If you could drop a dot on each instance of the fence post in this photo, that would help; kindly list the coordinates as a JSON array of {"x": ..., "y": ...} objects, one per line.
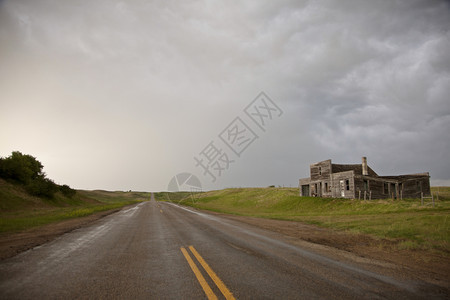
[
  {"x": 370, "y": 196},
  {"x": 421, "y": 198},
  {"x": 364, "y": 195},
  {"x": 432, "y": 199}
]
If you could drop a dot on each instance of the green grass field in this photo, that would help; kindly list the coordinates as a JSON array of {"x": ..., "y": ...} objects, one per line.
[
  {"x": 173, "y": 196},
  {"x": 20, "y": 211},
  {"x": 413, "y": 225}
]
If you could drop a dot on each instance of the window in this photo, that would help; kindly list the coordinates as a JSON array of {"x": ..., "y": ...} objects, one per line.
[
  {"x": 326, "y": 187},
  {"x": 320, "y": 170},
  {"x": 386, "y": 188},
  {"x": 366, "y": 185},
  {"x": 347, "y": 185}
]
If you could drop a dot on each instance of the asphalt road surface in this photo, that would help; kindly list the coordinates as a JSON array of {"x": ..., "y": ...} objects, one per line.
[{"x": 160, "y": 250}]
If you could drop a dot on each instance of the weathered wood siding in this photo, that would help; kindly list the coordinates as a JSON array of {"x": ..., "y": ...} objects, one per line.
[
  {"x": 337, "y": 168},
  {"x": 393, "y": 187},
  {"x": 374, "y": 188},
  {"x": 348, "y": 190},
  {"x": 321, "y": 170},
  {"x": 412, "y": 188}
]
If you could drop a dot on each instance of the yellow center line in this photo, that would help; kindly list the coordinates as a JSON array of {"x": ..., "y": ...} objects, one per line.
[
  {"x": 206, "y": 288},
  {"x": 225, "y": 291}
]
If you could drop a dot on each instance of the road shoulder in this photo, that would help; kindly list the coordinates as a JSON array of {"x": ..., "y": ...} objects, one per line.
[
  {"x": 380, "y": 255},
  {"x": 12, "y": 244}
]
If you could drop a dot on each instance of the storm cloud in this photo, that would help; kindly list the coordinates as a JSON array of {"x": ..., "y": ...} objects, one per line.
[{"x": 123, "y": 94}]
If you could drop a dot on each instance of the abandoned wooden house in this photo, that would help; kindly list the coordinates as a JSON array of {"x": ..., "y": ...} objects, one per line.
[{"x": 359, "y": 181}]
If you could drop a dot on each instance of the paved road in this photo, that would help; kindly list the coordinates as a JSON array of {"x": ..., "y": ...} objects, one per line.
[{"x": 162, "y": 251}]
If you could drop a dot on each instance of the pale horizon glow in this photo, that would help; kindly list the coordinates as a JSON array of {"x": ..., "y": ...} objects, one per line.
[{"x": 121, "y": 95}]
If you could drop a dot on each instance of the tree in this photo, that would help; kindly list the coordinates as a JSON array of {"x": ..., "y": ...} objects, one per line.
[
  {"x": 27, "y": 170},
  {"x": 20, "y": 167}
]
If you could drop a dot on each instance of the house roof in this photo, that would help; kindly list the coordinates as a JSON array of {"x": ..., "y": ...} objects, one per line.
[
  {"x": 357, "y": 168},
  {"x": 407, "y": 176}
]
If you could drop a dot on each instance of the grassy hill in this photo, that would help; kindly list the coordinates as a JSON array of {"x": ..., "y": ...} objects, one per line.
[
  {"x": 19, "y": 210},
  {"x": 413, "y": 225}
]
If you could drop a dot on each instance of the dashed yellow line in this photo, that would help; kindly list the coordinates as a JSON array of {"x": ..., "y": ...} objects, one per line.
[
  {"x": 206, "y": 288},
  {"x": 208, "y": 291}
]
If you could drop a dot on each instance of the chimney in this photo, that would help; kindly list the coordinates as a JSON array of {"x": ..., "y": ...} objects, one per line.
[{"x": 365, "y": 170}]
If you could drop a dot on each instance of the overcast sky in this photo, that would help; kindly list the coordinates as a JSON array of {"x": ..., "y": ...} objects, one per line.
[{"x": 123, "y": 95}]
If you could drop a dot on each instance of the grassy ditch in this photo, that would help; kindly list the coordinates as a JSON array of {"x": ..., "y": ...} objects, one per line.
[
  {"x": 20, "y": 211},
  {"x": 23, "y": 220},
  {"x": 412, "y": 225}
]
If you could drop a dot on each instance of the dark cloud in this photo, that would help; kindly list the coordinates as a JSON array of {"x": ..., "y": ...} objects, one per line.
[{"x": 123, "y": 94}]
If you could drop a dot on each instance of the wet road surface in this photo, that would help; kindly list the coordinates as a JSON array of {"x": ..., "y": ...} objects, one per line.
[{"x": 158, "y": 250}]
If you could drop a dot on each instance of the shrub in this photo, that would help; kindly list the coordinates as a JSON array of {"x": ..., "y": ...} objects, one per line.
[
  {"x": 67, "y": 191},
  {"x": 42, "y": 187}
]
